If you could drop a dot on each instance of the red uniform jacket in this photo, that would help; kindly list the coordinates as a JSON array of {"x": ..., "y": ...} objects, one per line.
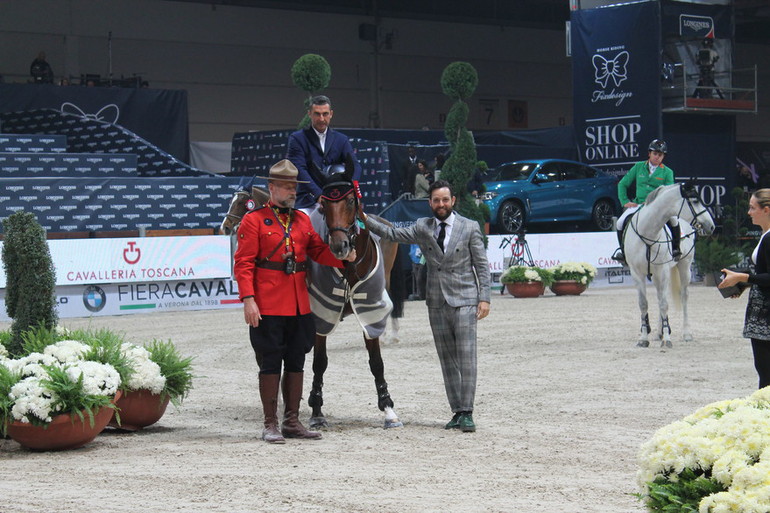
[{"x": 276, "y": 292}]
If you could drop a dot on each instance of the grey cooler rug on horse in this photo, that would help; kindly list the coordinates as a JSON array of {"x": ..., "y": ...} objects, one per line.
[{"x": 329, "y": 292}]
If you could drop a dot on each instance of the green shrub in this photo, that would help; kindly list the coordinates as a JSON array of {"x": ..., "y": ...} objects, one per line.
[
  {"x": 31, "y": 280},
  {"x": 312, "y": 74}
]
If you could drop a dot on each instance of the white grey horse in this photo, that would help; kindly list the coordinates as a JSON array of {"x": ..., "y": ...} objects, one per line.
[{"x": 648, "y": 252}]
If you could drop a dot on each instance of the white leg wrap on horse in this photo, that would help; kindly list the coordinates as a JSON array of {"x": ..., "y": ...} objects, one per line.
[{"x": 391, "y": 419}]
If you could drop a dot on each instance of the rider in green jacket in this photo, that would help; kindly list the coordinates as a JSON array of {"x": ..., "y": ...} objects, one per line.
[{"x": 648, "y": 176}]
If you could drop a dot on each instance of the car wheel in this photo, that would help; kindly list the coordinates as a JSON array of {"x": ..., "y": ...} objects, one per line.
[
  {"x": 602, "y": 215},
  {"x": 510, "y": 218}
]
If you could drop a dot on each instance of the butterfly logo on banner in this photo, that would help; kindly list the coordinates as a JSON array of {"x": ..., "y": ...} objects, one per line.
[
  {"x": 108, "y": 114},
  {"x": 606, "y": 68}
]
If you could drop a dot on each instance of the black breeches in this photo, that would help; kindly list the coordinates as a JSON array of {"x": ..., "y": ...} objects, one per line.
[{"x": 282, "y": 340}]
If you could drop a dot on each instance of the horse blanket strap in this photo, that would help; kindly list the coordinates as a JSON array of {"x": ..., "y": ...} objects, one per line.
[
  {"x": 280, "y": 266},
  {"x": 330, "y": 291}
]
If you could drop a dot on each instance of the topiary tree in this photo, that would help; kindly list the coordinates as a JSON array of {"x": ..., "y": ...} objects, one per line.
[
  {"x": 459, "y": 81},
  {"x": 312, "y": 74},
  {"x": 30, "y": 298}
]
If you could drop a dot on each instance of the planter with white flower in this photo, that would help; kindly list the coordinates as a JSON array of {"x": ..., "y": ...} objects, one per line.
[
  {"x": 160, "y": 375},
  {"x": 83, "y": 378},
  {"x": 572, "y": 278},
  {"x": 55, "y": 400},
  {"x": 525, "y": 281},
  {"x": 716, "y": 459}
]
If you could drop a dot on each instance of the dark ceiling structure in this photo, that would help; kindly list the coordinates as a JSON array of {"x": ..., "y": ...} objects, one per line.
[{"x": 752, "y": 17}]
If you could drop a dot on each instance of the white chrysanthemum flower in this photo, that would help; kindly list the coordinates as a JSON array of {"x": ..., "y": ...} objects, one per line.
[
  {"x": 532, "y": 275},
  {"x": 32, "y": 365},
  {"x": 31, "y": 399},
  {"x": 3, "y": 351},
  {"x": 146, "y": 375},
  {"x": 98, "y": 378},
  {"x": 67, "y": 351},
  {"x": 61, "y": 331}
]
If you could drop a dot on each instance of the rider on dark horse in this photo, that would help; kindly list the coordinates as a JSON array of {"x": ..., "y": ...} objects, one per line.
[{"x": 648, "y": 176}]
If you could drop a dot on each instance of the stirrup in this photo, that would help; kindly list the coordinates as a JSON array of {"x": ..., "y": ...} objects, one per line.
[
  {"x": 676, "y": 253},
  {"x": 619, "y": 256}
]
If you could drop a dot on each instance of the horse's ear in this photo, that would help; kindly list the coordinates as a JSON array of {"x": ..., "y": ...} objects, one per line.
[
  {"x": 259, "y": 195},
  {"x": 350, "y": 166},
  {"x": 688, "y": 190}
]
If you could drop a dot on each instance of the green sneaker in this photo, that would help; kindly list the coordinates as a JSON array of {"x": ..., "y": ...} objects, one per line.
[
  {"x": 465, "y": 423},
  {"x": 455, "y": 422}
]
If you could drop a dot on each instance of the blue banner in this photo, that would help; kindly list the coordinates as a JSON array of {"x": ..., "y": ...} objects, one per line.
[
  {"x": 616, "y": 83},
  {"x": 157, "y": 115}
]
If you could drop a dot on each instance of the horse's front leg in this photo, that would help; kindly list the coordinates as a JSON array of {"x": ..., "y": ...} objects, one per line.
[
  {"x": 644, "y": 332},
  {"x": 684, "y": 293},
  {"x": 662, "y": 281},
  {"x": 376, "y": 365},
  {"x": 315, "y": 398}
]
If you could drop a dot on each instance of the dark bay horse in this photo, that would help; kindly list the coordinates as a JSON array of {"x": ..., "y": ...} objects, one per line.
[{"x": 373, "y": 265}]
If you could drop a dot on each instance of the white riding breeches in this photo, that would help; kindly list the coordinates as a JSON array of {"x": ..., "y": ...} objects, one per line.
[{"x": 622, "y": 219}]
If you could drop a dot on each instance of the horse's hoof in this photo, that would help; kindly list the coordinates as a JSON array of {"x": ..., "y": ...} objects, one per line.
[
  {"x": 318, "y": 422},
  {"x": 688, "y": 338},
  {"x": 393, "y": 423},
  {"x": 643, "y": 343},
  {"x": 666, "y": 343}
]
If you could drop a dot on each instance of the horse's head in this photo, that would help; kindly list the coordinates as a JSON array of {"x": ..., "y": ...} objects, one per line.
[
  {"x": 241, "y": 203},
  {"x": 339, "y": 205},
  {"x": 694, "y": 211}
]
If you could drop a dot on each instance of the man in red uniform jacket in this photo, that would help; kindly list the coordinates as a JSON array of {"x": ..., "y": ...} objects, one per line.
[{"x": 274, "y": 243}]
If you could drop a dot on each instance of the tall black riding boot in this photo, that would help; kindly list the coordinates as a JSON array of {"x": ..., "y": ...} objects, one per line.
[
  {"x": 292, "y": 394},
  {"x": 676, "y": 238},
  {"x": 268, "y": 391},
  {"x": 618, "y": 255}
]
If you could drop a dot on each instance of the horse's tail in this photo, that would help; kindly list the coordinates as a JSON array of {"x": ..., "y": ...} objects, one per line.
[
  {"x": 397, "y": 286},
  {"x": 676, "y": 287}
]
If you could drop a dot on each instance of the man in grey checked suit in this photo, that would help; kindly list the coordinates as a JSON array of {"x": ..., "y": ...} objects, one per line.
[{"x": 457, "y": 292}]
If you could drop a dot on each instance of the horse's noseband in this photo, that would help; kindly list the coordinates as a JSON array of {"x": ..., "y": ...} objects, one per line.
[
  {"x": 338, "y": 191},
  {"x": 695, "y": 223}
]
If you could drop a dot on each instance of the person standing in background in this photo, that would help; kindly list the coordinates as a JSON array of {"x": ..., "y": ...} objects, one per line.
[{"x": 757, "y": 322}]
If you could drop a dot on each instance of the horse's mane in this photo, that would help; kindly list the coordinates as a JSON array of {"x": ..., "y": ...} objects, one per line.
[{"x": 654, "y": 194}]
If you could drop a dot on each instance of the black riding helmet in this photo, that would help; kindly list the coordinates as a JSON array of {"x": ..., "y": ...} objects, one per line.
[{"x": 658, "y": 145}]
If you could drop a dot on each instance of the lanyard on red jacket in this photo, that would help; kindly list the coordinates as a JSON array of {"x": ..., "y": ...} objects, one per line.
[{"x": 286, "y": 226}]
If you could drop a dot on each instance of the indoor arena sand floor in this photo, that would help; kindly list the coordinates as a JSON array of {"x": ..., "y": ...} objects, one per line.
[{"x": 564, "y": 401}]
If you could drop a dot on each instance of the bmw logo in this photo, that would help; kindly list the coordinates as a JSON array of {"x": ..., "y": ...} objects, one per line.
[{"x": 94, "y": 298}]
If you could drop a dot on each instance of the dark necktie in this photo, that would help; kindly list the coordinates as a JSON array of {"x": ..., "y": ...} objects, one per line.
[{"x": 441, "y": 236}]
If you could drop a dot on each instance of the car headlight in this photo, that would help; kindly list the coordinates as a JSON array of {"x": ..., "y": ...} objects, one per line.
[{"x": 489, "y": 195}]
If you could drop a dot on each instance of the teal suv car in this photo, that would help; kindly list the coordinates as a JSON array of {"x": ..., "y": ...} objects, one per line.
[{"x": 551, "y": 190}]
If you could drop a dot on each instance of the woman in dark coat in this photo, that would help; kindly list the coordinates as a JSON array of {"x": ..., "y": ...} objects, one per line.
[{"x": 757, "y": 324}]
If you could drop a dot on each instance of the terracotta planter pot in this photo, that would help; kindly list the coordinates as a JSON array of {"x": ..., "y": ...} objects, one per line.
[
  {"x": 63, "y": 432},
  {"x": 525, "y": 288},
  {"x": 568, "y": 288},
  {"x": 139, "y": 409}
]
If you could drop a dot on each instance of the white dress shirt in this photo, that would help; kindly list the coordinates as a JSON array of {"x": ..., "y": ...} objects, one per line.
[{"x": 447, "y": 231}]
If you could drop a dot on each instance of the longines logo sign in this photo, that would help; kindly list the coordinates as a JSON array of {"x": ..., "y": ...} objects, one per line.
[{"x": 696, "y": 26}]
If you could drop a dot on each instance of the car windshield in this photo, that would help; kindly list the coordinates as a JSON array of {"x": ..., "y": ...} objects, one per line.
[{"x": 513, "y": 172}]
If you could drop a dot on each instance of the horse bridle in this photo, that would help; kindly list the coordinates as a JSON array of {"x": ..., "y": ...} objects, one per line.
[
  {"x": 351, "y": 231},
  {"x": 698, "y": 226},
  {"x": 238, "y": 218}
]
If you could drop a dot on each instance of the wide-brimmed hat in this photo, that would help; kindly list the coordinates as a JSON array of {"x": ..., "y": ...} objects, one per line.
[{"x": 283, "y": 171}]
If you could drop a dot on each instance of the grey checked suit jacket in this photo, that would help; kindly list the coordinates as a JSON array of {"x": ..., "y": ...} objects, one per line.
[{"x": 461, "y": 274}]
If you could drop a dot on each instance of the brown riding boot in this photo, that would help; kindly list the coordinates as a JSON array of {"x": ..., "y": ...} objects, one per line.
[
  {"x": 268, "y": 392},
  {"x": 292, "y": 394}
]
